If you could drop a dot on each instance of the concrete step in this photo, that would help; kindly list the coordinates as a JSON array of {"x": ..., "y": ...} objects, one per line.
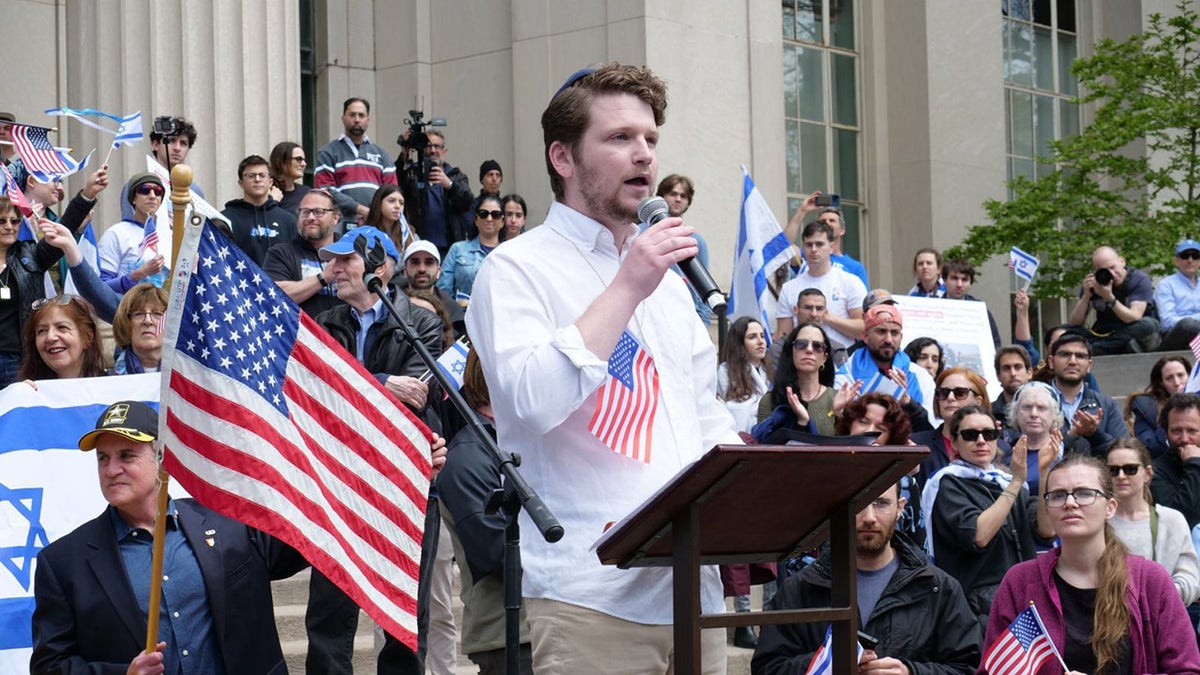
[
  {"x": 1125, "y": 374},
  {"x": 291, "y": 597}
]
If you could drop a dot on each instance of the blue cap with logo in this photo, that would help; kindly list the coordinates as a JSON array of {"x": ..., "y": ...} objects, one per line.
[{"x": 345, "y": 245}]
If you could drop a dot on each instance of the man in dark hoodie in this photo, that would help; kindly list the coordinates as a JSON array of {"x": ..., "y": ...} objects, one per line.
[
  {"x": 917, "y": 612},
  {"x": 258, "y": 221}
]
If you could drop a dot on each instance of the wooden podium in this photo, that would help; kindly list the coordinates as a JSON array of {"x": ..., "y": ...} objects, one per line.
[{"x": 746, "y": 503}]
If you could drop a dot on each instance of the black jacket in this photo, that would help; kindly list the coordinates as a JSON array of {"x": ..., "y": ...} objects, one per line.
[
  {"x": 87, "y": 620},
  {"x": 922, "y": 619},
  {"x": 1176, "y": 484},
  {"x": 387, "y": 351},
  {"x": 458, "y": 200}
]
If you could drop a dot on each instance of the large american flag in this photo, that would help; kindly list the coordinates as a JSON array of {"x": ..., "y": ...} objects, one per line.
[
  {"x": 1021, "y": 649},
  {"x": 37, "y": 152},
  {"x": 266, "y": 419},
  {"x": 627, "y": 401}
]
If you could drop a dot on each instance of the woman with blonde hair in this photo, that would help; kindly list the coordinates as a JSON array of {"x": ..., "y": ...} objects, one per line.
[{"x": 1106, "y": 610}]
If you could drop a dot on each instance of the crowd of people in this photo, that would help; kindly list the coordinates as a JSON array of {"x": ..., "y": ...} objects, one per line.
[{"x": 1048, "y": 493}]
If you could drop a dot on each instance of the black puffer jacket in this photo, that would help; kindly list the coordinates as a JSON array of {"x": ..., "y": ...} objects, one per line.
[
  {"x": 388, "y": 352},
  {"x": 921, "y": 619}
]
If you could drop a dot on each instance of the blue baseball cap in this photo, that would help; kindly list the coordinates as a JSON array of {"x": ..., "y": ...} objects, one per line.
[
  {"x": 1187, "y": 245},
  {"x": 345, "y": 245}
]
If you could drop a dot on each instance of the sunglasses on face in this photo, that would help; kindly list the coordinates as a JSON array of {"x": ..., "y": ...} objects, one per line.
[
  {"x": 150, "y": 189},
  {"x": 959, "y": 393},
  {"x": 972, "y": 435},
  {"x": 1190, "y": 255},
  {"x": 1127, "y": 469},
  {"x": 15, "y": 222},
  {"x": 800, "y": 344},
  {"x": 484, "y": 214}
]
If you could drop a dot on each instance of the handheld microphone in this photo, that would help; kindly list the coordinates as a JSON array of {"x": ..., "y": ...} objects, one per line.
[{"x": 653, "y": 209}]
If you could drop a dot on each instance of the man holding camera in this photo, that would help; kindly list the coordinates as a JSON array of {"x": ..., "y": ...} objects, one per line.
[
  {"x": 1120, "y": 296},
  {"x": 437, "y": 203}
]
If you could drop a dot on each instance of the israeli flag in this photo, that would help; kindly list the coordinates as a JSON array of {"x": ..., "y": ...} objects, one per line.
[
  {"x": 47, "y": 486},
  {"x": 1023, "y": 264},
  {"x": 130, "y": 130},
  {"x": 454, "y": 361},
  {"x": 761, "y": 249}
]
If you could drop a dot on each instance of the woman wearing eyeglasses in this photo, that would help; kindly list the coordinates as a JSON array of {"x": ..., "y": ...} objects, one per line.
[
  {"x": 803, "y": 397},
  {"x": 1105, "y": 610},
  {"x": 123, "y": 261},
  {"x": 137, "y": 330},
  {"x": 60, "y": 341},
  {"x": 463, "y": 259},
  {"x": 288, "y": 162},
  {"x": 956, "y": 388},
  {"x": 1157, "y": 533},
  {"x": 980, "y": 519}
]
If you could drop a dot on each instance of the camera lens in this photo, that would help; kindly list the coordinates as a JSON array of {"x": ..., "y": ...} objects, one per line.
[{"x": 1103, "y": 276}]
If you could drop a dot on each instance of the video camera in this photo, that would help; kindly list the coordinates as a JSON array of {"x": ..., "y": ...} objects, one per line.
[
  {"x": 166, "y": 126},
  {"x": 418, "y": 141}
]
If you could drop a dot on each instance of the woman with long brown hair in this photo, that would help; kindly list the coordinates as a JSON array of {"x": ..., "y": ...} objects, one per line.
[
  {"x": 1106, "y": 611},
  {"x": 387, "y": 213},
  {"x": 744, "y": 375},
  {"x": 1168, "y": 376}
]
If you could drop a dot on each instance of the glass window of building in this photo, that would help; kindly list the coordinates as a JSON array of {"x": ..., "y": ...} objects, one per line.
[
  {"x": 821, "y": 113},
  {"x": 1041, "y": 41}
]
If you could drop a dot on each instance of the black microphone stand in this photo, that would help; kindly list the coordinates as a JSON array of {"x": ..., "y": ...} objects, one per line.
[{"x": 516, "y": 493}]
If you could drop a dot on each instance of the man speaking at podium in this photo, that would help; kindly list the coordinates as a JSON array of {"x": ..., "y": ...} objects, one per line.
[{"x": 602, "y": 377}]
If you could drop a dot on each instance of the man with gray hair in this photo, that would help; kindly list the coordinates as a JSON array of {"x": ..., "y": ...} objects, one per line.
[{"x": 364, "y": 327}]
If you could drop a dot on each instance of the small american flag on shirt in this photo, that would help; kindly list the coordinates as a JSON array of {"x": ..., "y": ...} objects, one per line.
[
  {"x": 627, "y": 401},
  {"x": 1021, "y": 649}
]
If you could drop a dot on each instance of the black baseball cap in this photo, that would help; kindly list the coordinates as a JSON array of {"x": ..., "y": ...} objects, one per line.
[{"x": 133, "y": 420}]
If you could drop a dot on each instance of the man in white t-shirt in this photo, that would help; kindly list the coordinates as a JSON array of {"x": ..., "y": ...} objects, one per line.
[{"x": 843, "y": 291}]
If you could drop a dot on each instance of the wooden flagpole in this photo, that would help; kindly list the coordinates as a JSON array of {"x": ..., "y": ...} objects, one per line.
[{"x": 181, "y": 183}]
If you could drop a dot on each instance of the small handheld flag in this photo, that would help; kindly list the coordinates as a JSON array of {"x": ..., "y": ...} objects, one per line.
[
  {"x": 1022, "y": 648},
  {"x": 1023, "y": 264},
  {"x": 822, "y": 660},
  {"x": 149, "y": 236}
]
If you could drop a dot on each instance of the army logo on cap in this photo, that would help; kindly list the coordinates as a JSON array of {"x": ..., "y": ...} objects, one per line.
[{"x": 115, "y": 415}]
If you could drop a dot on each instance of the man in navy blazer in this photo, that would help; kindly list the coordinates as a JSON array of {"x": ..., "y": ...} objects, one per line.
[{"x": 92, "y": 586}]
